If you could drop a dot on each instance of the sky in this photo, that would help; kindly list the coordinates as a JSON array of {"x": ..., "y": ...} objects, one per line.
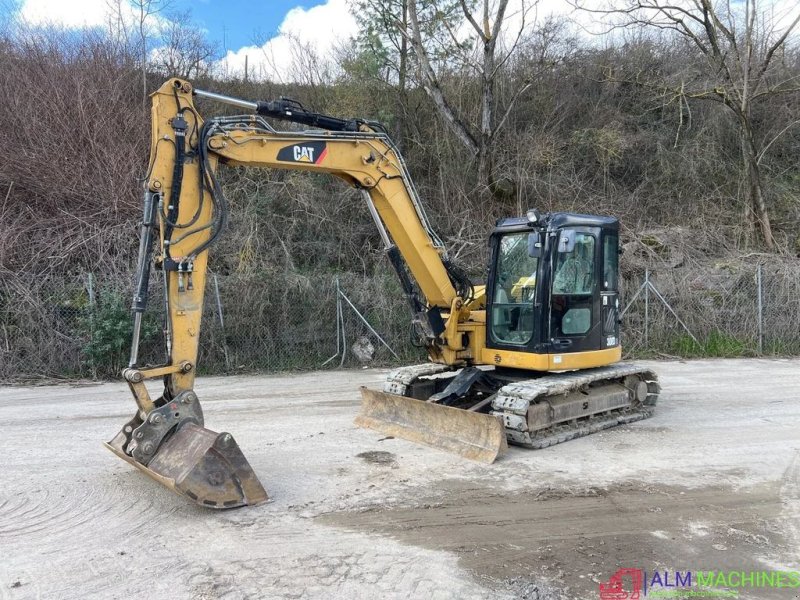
[
  {"x": 230, "y": 23},
  {"x": 236, "y": 23},
  {"x": 267, "y": 32},
  {"x": 263, "y": 30}
]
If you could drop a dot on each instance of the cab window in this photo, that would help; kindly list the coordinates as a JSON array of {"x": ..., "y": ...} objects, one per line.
[
  {"x": 573, "y": 288},
  {"x": 575, "y": 270},
  {"x": 610, "y": 262},
  {"x": 514, "y": 290}
]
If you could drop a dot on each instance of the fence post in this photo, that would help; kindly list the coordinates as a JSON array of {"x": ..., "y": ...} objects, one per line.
[
  {"x": 760, "y": 310},
  {"x": 339, "y": 326},
  {"x": 222, "y": 324},
  {"x": 341, "y": 337},
  {"x": 364, "y": 320},
  {"x": 340, "y": 310},
  {"x": 647, "y": 309},
  {"x": 92, "y": 303}
]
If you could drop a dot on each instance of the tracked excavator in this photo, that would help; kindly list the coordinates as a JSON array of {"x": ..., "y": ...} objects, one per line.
[{"x": 532, "y": 357}]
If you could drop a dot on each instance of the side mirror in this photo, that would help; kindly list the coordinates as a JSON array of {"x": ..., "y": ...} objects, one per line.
[
  {"x": 566, "y": 241},
  {"x": 534, "y": 244}
]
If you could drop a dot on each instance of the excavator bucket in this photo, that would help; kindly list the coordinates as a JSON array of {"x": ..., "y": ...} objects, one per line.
[
  {"x": 202, "y": 465},
  {"x": 471, "y": 434}
]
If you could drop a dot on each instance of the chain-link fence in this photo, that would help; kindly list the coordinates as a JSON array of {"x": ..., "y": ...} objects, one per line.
[
  {"x": 80, "y": 326},
  {"x": 731, "y": 308}
]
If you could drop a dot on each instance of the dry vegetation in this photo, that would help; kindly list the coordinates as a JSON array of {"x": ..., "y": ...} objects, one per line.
[{"x": 577, "y": 126}]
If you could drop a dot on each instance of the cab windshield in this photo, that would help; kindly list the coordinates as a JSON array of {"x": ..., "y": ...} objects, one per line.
[{"x": 514, "y": 290}]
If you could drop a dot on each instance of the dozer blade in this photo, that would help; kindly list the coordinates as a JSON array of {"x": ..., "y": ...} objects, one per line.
[
  {"x": 202, "y": 465},
  {"x": 473, "y": 435}
]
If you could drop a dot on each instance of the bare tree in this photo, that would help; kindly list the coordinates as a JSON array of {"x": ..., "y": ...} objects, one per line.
[
  {"x": 382, "y": 44},
  {"x": 118, "y": 23},
  {"x": 145, "y": 11},
  {"x": 485, "y": 56},
  {"x": 741, "y": 44},
  {"x": 184, "y": 49}
]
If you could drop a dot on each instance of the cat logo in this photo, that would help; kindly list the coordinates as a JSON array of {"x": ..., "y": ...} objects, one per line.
[
  {"x": 303, "y": 154},
  {"x": 310, "y": 152},
  {"x": 498, "y": 359}
]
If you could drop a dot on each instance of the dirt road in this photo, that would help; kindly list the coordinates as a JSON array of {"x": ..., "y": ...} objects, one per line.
[{"x": 710, "y": 483}]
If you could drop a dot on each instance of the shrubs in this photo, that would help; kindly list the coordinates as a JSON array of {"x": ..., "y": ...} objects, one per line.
[{"x": 108, "y": 329}]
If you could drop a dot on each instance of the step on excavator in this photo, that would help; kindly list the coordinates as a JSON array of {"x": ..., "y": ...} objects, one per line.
[{"x": 532, "y": 357}]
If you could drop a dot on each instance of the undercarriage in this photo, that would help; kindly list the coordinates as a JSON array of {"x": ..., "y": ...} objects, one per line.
[{"x": 535, "y": 411}]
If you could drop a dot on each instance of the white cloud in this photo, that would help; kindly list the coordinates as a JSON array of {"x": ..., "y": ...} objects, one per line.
[
  {"x": 320, "y": 27},
  {"x": 73, "y": 13},
  {"x": 324, "y": 26}
]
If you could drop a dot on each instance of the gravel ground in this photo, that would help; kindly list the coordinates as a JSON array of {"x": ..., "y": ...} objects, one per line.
[{"x": 710, "y": 482}]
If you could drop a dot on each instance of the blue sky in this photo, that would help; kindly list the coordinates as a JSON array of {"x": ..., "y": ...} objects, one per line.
[
  {"x": 238, "y": 23},
  {"x": 271, "y": 38},
  {"x": 232, "y": 24},
  {"x": 266, "y": 34}
]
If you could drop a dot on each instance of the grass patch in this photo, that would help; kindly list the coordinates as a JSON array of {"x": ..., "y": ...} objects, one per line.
[{"x": 717, "y": 345}]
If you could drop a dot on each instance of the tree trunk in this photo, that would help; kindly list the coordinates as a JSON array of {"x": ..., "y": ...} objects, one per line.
[
  {"x": 431, "y": 86},
  {"x": 754, "y": 185},
  {"x": 487, "y": 105},
  {"x": 402, "y": 75}
]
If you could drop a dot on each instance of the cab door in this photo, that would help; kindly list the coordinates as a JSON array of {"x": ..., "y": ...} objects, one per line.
[
  {"x": 512, "y": 322},
  {"x": 576, "y": 321}
]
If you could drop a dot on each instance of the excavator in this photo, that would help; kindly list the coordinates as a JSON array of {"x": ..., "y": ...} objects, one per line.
[{"x": 532, "y": 357}]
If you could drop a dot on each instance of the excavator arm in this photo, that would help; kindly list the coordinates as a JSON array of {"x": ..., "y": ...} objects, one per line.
[
  {"x": 185, "y": 211},
  {"x": 193, "y": 210}
]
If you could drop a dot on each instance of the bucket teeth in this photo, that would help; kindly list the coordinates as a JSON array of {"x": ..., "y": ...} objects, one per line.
[{"x": 202, "y": 465}]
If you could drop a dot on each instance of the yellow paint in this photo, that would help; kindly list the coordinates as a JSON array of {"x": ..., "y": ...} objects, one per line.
[
  {"x": 362, "y": 160},
  {"x": 160, "y": 371},
  {"x": 478, "y": 298},
  {"x": 141, "y": 396},
  {"x": 549, "y": 362},
  {"x": 475, "y": 330},
  {"x": 361, "y": 163},
  {"x": 185, "y": 308}
]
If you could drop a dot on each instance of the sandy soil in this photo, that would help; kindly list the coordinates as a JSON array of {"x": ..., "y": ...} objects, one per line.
[{"x": 710, "y": 482}]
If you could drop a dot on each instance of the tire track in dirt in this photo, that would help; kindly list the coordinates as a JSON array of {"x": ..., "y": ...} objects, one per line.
[
  {"x": 790, "y": 498},
  {"x": 69, "y": 510},
  {"x": 589, "y": 533},
  {"x": 107, "y": 522}
]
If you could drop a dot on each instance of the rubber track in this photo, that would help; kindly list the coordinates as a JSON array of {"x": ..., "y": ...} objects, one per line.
[
  {"x": 398, "y": 380},
  {"x": 513, "y": 400}
]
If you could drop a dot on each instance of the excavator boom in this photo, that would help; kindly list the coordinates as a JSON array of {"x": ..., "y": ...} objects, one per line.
[{"x": 185, "y": 211}]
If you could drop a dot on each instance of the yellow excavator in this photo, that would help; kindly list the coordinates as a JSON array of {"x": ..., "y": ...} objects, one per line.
[{"x": 530, "y": 358}]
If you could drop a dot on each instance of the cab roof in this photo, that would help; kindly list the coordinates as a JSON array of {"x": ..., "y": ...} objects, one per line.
[{"x": 556, "y": 220}]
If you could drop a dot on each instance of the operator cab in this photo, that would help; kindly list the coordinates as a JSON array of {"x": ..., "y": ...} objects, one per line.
[{"x": 553, "y": 284}]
